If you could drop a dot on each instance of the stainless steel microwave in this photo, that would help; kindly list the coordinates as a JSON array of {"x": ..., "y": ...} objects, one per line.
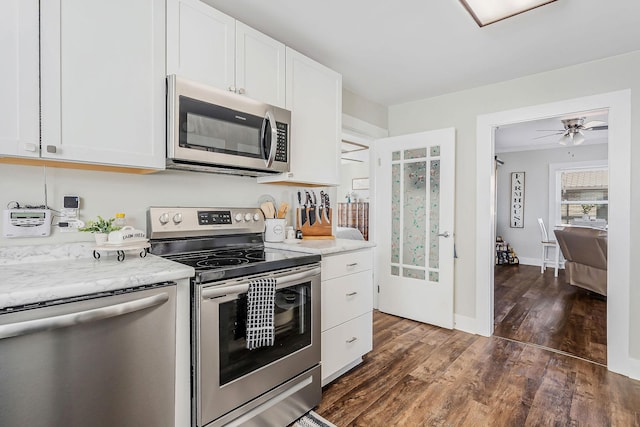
[{"x": 212, "y": 130}]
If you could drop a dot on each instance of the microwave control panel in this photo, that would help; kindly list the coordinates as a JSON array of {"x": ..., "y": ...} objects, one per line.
[{"x": 283, "y": 138}]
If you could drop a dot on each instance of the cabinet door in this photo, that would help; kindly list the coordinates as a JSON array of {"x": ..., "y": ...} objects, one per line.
[
  {"x": 103, "y": 81},
  {"x": 260, "y": 66},
  {"x": 314, "y": 96},
  {"x": 19, "y": 103},
  {"x": 201, "y": 43}
]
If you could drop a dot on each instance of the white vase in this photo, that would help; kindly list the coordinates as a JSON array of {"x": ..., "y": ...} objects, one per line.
[
  {"x": 585, "y": 217},
  {"x": 101, "y": 238}
]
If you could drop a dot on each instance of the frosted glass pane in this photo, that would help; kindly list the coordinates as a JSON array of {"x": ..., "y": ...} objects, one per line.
[
  {"x": 395, "y": 213},
  {"x": 434, "y": 276},
  {"x": 435, "y": 150},
  {"x": 395, "y": 155},
  {"x": 395, "y": 270},
  {"x": 434, "y": 215},
  {"x": 414, "y": 214},
  {"x": 418, "y": 153},
  {"x": 413, "y": 273}
]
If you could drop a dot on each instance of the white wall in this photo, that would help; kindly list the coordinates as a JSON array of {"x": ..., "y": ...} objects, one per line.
[
  {"x": 349, "y": 171},
  {"x": 535, "y": 164},
  {"x": 363, "y": 109},
  {"x": 105, "y": 193},
  {"x": 461, "y": 109}
]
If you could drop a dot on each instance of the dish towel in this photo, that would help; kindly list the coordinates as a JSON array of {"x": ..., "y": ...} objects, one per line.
[{"x": 260, "y": 311}]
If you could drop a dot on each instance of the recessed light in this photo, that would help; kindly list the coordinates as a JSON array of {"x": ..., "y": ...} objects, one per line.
[{"x": 486, "y": 12}]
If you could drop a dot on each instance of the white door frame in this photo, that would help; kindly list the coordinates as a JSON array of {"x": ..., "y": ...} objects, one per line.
[{"x": 618, "y": 272}]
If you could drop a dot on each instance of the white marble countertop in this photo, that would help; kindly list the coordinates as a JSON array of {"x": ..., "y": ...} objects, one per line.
[
  {"x": 40, "y": 273},
  {"x": 322, "y": 246}
]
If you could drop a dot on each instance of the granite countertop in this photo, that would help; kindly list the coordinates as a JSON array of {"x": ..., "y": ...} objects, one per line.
[
  {"x": 45, "y": 272},
  {"x": 322, "y": 246}
]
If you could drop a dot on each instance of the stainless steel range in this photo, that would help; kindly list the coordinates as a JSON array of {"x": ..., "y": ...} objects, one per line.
[{"x": 232, "y": 384}]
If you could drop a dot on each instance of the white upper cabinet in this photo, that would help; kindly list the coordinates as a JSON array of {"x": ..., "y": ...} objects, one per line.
[
  {"x": 314, "y": 96},
  {"x": 209, "y": 47},
  {"x": 19, "y": 98},
  {"x": 103, "y": 82},
  {"x": 260, "y": 66}
]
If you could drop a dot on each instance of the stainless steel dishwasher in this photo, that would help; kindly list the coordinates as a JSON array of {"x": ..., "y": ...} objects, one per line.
[{"x": 106, "y": 359}]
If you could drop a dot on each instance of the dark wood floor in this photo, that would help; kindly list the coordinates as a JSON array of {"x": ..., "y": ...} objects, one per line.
[
  {"x": 422, "y": 375},
  {"x": 538, "y": 308}
]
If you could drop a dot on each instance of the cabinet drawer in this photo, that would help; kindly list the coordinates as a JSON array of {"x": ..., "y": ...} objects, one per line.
[
  {"x": 344, "y": 298},
  {"x": 348, "y": 263},
  {"x": 345, "y": 343}
]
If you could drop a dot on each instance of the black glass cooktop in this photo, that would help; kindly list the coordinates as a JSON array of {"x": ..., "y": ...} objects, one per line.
[{"x": 218, "y": 264}]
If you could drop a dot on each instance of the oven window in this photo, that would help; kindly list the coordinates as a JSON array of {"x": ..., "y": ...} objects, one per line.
[{"x": 292, "y": 321}]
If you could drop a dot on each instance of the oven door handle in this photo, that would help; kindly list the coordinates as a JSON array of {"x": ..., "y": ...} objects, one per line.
[{"x": 281, "y": 282}]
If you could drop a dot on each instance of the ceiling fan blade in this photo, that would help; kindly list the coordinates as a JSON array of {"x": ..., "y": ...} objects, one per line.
[
  {"x": 550, "y": 130},
  {"x": 595, "y": 125},
  {"x": 551, "y": 134}
]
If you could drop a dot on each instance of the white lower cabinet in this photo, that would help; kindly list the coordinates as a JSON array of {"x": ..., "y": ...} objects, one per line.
[{"x": 347, "y": 304}]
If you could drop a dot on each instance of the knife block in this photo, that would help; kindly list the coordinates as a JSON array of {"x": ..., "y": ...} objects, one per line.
[{"x": 319, "y": 230}]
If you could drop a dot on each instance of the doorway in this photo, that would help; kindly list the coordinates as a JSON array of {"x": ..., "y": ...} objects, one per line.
[
  {"x": 619, "y": 106},
  {"x": 533, "y": 305}
]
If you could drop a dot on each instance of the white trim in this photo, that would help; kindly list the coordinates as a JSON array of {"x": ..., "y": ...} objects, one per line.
[
  {"x": 464, "y": 323},
  {"x": 353, "y": 125},
  {"x": 554, "y": 184},
  {"x": 619, "y": 154}
]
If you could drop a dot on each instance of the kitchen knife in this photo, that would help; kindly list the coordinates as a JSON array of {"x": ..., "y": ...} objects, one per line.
[
  {"x": 324, "y": 198},
  {"x": 327, "y": 207},
  {"x": 312, "y": 210},
  {"x": 316, "y": 207},
  {"x": 303, "y": 210}
]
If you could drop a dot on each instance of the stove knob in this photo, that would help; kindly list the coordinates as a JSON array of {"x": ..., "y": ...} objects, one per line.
[
  {"x": 177, "y": 218},
  {"x": 256, "y": 217},
  {"x": 164, "y": 218},
  {"x": 247, "y": 217},
  {"x": 238, "y": 217}
]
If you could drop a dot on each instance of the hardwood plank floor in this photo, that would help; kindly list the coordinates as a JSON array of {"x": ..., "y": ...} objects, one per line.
[
  {"x": 540, "y": 309},
  {"x": 422, "y": 375}
]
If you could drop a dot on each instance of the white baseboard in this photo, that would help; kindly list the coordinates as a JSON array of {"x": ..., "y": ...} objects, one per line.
[
  {"x": 634, "y": 368},
  {"x": 535, "y": 262},
  {"x": 464, "y": 324}
]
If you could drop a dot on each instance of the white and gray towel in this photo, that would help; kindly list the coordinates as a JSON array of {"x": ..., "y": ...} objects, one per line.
[{"x": 260, "y": 311}]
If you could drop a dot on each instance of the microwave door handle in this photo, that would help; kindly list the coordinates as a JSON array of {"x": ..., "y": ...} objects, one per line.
[{"x": 270, "y": 120}]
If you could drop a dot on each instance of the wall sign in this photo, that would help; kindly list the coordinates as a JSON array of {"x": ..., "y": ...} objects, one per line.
[{"x": 517, "y": 200}]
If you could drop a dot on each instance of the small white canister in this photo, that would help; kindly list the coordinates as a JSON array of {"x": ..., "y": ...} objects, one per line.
[{"x": 274, "y": 229}]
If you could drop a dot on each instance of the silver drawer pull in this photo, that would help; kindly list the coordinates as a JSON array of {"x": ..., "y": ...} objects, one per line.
[
  {"x": 350, "y": 294},
  {"x": 352, "y": 264},
  {"x": 353, "y": 339}
]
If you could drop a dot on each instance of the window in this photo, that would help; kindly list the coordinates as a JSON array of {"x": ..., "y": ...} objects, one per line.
[{"x": 584, "y": 192}]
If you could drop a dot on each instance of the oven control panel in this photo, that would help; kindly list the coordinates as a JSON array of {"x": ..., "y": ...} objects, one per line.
[{"x": 168, "y": 222}]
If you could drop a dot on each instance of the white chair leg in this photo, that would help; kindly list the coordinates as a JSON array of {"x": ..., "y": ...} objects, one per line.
[
  {"x": 542, "y": 260},
  {"x": 557, "y": 259}
]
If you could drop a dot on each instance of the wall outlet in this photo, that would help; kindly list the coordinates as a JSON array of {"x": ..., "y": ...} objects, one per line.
[{"x": 69, "y": 225}]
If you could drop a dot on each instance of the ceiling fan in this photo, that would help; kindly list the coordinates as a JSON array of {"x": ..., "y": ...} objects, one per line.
[{"x": 573, "y": 132}]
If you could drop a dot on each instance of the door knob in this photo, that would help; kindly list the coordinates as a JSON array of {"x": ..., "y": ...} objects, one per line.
[{"x": 445, "y": 234}]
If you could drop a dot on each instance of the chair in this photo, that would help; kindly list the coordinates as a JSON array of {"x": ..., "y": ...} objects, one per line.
[{"x": 546, "y": 244}]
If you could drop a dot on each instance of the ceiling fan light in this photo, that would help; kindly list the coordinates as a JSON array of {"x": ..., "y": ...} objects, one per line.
[
  {"x": 566, "y": 139},
  {"x": 578, "y": 138}
]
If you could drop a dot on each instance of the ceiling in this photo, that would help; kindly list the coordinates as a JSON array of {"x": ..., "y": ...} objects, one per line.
[
  {"x": 539, "y": 135},
  {"x": 395, "y": 52}
]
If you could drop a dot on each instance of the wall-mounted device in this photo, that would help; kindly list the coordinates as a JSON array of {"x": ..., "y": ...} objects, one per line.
[
  {"x": 26, "y": 223},
  {"x": 70, "y": 214}
]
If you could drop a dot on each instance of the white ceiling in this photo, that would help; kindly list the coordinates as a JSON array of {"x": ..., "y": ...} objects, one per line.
[
  {"x": 540, "y": 135},
  {"x": 393, "y": 52}
]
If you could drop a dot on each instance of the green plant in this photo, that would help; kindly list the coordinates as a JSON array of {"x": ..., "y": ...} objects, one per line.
[
  {"x": 587, "y": 208},
  {"x": 101, "y": 225}
]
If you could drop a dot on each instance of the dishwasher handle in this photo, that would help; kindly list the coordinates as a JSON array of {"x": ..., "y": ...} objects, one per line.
[{"x": 80, "y": 317}]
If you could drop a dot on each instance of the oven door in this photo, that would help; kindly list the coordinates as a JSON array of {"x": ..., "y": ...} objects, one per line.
[{"x": 228, "y": 375}]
